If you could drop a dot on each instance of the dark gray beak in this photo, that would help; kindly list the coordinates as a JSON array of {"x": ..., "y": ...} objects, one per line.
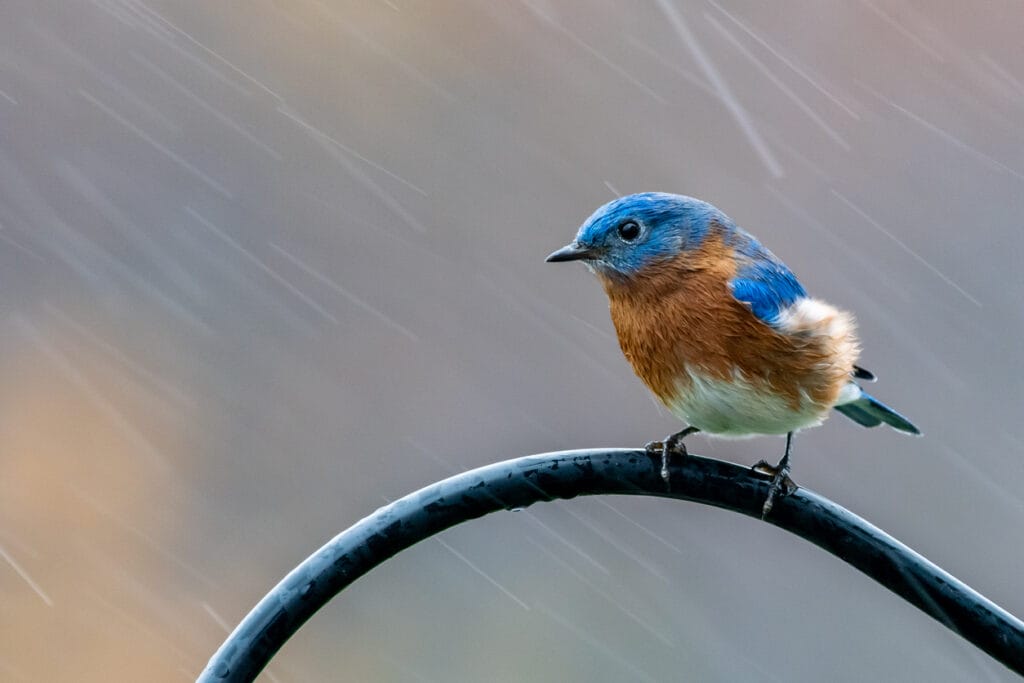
[{"x": 571, "y": 252}]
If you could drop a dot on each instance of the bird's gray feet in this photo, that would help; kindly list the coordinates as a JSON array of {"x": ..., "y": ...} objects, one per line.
[
  {"x": 671, "y": 445},
  {"x": 781, "y": 485}
]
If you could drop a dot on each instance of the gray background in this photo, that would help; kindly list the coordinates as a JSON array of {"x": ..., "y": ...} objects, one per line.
[{"x": 267, "y": 265}]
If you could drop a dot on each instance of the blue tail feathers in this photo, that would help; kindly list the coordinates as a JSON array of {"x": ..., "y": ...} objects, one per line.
[{"x": 870, "y": 412}]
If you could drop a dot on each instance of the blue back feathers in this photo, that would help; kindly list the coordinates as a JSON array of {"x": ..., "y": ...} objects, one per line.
[
  {"x": 674, "y": 224},
  {"x": 764, "y": 282}
]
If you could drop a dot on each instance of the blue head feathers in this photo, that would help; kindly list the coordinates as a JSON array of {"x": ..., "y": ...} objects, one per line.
[{"x": 625, "y": 235}]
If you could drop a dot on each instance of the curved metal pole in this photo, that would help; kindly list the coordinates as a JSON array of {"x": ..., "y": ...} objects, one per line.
[{"x": 523, "y": 481}]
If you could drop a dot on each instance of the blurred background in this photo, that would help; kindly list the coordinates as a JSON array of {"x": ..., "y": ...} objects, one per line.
[{"x": 268, "y": 265}]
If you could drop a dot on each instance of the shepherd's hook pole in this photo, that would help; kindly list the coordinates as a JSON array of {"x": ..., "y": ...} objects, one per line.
[{"x": 521, "y": 482}]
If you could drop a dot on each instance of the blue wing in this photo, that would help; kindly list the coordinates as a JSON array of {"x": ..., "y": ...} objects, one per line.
[{"x": 764, "y": 282}]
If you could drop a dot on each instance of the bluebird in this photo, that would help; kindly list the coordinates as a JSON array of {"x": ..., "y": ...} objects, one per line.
[{"x": 720, "y": 330}]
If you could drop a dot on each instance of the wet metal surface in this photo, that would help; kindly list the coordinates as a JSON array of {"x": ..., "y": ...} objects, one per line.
[{"x": 516, "y": 484}]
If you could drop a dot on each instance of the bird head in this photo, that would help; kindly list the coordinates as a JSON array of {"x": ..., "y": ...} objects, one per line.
[{"x": 625, "y": 236}]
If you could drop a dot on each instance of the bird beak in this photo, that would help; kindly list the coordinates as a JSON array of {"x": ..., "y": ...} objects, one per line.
[{"x": 571, "y": 252}]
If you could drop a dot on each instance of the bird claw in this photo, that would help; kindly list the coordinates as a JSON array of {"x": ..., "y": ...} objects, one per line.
[
  {"x": 666, "y": 448},
  {"x": 780, "y": 486},
  {"x": 658, "y": 448},
  {"x": 654, "y": 447}
]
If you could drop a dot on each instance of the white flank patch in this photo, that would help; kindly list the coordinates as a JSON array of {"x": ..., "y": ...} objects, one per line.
[{"x": 815, "y": 317}]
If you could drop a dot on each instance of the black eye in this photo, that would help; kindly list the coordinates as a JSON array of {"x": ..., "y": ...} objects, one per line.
[{"x": 629, "y": 231}]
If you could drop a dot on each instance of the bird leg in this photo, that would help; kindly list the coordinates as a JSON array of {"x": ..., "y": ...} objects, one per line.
[
  {"x": 781, "y": 484},
  {"x": 671, "y": 445}
]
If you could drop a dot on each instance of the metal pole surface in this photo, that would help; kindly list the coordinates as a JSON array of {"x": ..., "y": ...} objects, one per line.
[{"x": 523, "y": 481}]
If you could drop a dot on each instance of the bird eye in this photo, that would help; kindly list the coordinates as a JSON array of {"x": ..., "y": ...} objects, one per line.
[{"x": 629, "y": 231}]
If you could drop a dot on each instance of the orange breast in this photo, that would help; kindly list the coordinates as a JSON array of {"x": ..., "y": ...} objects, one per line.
[{"x": 680, "y": 317}]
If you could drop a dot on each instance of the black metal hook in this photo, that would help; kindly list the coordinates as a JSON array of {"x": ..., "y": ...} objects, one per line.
[{"x": 523, "y": 481}]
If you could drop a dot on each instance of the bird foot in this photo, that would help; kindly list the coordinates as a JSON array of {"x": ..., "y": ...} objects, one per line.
[
  {"x": 669, "y": 446},
  {"x": 780, "y": 487}
]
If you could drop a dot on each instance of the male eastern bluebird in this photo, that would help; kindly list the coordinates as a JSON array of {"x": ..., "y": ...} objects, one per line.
[{"x": 720, "y": 329}]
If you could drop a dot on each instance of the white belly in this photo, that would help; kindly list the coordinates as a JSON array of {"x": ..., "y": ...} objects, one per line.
[{"x": 738, "y": 409}]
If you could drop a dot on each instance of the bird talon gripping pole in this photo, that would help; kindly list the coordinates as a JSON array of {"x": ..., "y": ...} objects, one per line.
[{"x": 523, "y": 481}]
